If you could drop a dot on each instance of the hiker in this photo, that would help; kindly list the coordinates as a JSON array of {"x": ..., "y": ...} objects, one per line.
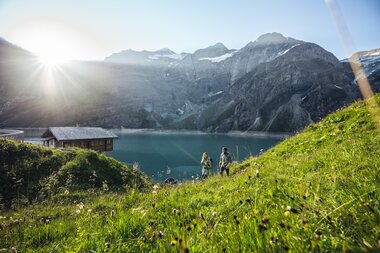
[
  {"x": 206, "y": 163},
  {"x": 225, "y": 162}
]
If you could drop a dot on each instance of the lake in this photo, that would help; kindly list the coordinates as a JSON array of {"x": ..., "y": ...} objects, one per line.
[{"x": 165, "y": 154}]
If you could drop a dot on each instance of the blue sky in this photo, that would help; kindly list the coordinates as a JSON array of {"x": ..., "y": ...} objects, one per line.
[{"x": 99, "y": 28}]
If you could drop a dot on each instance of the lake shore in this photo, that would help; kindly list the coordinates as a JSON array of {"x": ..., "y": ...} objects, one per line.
[{"x": 197, "y": 132}]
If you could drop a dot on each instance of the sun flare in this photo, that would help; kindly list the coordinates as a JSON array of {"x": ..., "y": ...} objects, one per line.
[{"x": 53, "y": 44}]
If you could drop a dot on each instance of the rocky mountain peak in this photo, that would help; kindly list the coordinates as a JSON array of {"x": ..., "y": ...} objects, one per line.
[
  {"x": 373, "y": 52},
  {"x": 165, "y": 50},
  {"x": 212, "y": 51},
  {"x": 218, "y": 45},
  {"x": 271, "y": 39}
]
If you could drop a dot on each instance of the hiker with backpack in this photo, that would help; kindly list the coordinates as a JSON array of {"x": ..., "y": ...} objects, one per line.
[
  {"x": 225, "y": 162},
  {"x": 206, "y": 163}
]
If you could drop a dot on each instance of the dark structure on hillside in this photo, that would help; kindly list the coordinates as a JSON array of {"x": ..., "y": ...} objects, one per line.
[{"x": 95, "y": 138}]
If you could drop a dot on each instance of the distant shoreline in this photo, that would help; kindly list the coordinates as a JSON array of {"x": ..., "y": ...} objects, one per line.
[
  {"x": 197, "y": 132},
  {"x": 35, "y": 132}
]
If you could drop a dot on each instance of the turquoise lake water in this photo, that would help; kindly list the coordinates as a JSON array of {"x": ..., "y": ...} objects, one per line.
[{"x": 163, "y": 155}]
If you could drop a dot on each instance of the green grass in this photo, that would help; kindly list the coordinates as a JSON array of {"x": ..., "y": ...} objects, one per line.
[
  {"x": 30, "y": 173},
  {"x": 318, "y": 191}
]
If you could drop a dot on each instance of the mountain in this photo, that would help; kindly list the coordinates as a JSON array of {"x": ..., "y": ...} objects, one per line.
[
  {"x": 370, "y": 61},
  {"x": 274, "y": 83}
]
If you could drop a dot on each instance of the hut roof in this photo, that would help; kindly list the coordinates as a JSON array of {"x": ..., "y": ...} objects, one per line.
[{"x": 78, "y": 133}]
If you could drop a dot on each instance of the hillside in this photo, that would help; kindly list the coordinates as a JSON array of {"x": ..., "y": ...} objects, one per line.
[
  {"x": 315, "y": 192},
  {"x": 30, "y": 173}
]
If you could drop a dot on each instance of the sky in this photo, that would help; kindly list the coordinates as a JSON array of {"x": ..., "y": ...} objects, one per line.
[{"x": 94, "y": 29}]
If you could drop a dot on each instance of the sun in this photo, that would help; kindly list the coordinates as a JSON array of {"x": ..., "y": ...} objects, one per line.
[
  {"x": 53, "y": 44},
  {"x": 51, "y": 59}
]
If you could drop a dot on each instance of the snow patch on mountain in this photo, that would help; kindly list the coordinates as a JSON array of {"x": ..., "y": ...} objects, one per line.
[
  {"x": 218, "y": 58},
  {"x": 171, "y": 56},
  {"x": 287, "y": 50}
]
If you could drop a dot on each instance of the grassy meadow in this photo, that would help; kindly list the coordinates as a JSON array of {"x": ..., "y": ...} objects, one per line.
[{"x": 318, "y": 191}]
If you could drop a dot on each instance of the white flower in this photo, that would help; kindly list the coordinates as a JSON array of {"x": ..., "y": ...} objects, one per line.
[
  {"x": 155, "y": 187},
  {"x": 89, "y": 210},
  {"x": 77, "y": 211},
  {"x": 154, "y": 192},
  {"x": 80, "y": 206}
]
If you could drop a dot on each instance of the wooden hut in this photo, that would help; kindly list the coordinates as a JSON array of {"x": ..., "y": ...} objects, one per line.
[{"x": 95, "y": 138}]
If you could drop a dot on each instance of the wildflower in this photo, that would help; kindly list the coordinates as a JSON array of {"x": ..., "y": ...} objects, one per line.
[
  {"x": 112, "y": 213},
  {"x": 214, "y": 214},
  {"x": 154, "y": 192},
  {"x": 236, "y": 220},
  {"x": 175, "y": 211},
  {"x": 89, "y": 210},
  {"x": 108, "y": 245},
  {"x": 262, "y": 227},
  {"x": 105, "y": 186},
  {"x": 158, "y": 234},
  {"x": 136, "y": 166},
  {"x": 283, "y": 225},
  {"x": 367, "y": 205},
  {"x": 173, "y": 242},
  {"x": 265, "y": 220},
  {"x": 287, "y": 213},
  {"x": 273, "y": 240},
  {"x": 66, "y": 192},
  {"x": 14, "y": 250},
  {"x": 257, "y": 173},
  {"x": 155, "y": 187},
  {"x": 80, "y": 206},
  {"x": 77, "y": 211}
]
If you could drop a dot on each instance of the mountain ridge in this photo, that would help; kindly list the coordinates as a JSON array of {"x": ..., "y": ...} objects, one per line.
[{"x": 214, "y": 89}]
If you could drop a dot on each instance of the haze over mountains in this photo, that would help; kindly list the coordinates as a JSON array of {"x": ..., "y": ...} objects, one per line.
[{"x": 274, "y": 83}]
